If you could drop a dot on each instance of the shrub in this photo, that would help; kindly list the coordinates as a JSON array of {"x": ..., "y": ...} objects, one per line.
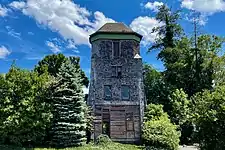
[
  {"x": 103, "y": 139},
  {"x": 158, "y": 131},
  {"x": 209, "y": 117},
  {"x": 154, "y": 112},
  {"x": 24, "y": 109},
  {"x": 161, "y": 133}
]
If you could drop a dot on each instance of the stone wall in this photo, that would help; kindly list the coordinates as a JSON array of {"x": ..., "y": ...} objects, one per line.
[{"x": 102, "y": 63}]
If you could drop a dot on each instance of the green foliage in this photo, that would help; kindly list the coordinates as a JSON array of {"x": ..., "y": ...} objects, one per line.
[
  {"x": 192, "y": 64},
  {"x": 52, "y": 64},
  {"x": 103, "y": 140},
  {"x": 193, "y": 75},
  {"x": 180, "y": 107},
  {"x": 69, "y": 121},
  {"x": 168, "y": 32},
  {"x": 156, "y": 90},
  {"x": 180, "y": 115},
  {"x": 33, "y": 102},
  {"x": 24, "y": 111},
  {"x": 90, "y": 127},
  {"x": 209, "y": 117},
  {"x": 91, "y": 146},
  {"x": 187, "y": 66},
  {"x": 154, "y": 112},
  {"x": 159, "y": 132}
]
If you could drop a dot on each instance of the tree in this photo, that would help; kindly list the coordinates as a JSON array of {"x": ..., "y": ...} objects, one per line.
[
  {"x": 69, "y": 121},
  {"x": 156, "y": 90},
  {"x": 169, "y": 32},
  {"x": 209, "y": 117},
  {"x": 180, "y": 106},
  {"x": 52, "y": 64},
  {"x": 76, "y": 62},
  {"x": 182, "y": 72},
  {"x": 189, "y": 63},
  {"x": 24, "y": 112},
  {"x": 180, "y": 115}
]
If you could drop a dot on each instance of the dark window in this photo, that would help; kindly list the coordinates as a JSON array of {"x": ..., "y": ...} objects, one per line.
[
  {"x": 106, "y": 122},
  {"x": 119, "y": 71},
  {"x": 125, "y": 92},
  {"x": 116, "y": 49},
  {"x": 107, "y": 92},
  {"x": 116, "y": 71}
]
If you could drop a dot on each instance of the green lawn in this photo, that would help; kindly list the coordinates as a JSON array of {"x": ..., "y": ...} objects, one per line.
[{"x": 110, "y": 146}]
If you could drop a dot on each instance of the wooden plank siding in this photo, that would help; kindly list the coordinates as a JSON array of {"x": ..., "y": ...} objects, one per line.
[{"x": 124, "y": 122}]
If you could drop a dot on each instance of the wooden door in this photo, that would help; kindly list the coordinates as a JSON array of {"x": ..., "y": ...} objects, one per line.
[{"x": 130, "y": 125}]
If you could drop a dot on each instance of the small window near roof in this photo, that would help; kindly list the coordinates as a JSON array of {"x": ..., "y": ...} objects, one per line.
[
  {"x": 107, "y": 92},
  {"x": 125, "y": 92},
  {"x": 119, "y": 71},
  {"x": 116, "y": 49},
  {"x": 116, "y": 71}
]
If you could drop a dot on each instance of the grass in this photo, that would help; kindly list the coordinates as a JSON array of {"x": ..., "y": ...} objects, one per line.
[{"x": 108, "y": 146}]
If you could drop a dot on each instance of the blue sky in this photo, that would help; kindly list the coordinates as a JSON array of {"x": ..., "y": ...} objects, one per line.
[{"x": 32, "y": 29}]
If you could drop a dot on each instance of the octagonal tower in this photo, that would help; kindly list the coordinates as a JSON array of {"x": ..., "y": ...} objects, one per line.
[{"x": 116, "y": 91}]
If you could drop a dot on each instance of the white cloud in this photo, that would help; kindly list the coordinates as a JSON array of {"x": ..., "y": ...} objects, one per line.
[
  {"x": 4, "y": 52},
  {"x": 199, "y": 18},
  {"x": 144, "y": 26},
  {"x": 70, "y": 20},
  {"x": 71, "y": 45},
  {"x": 153, "y": 6},
  {"x": 30, "y": 33},
  {"x": 13, "y": 33},
  {"x": 3, "y": 11},
  {"x": 17, "y": 4},
  {"x": 204, "y": 6},
  {"x": 54, "y": 48}
]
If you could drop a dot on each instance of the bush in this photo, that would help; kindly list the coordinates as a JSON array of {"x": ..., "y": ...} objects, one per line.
[
  {"x": 154, "y": 112},
  {"x": 103, "y": 139},
  {"x": 24, "y": 109},
  {"x": 209, "y": 117},
  {"x": 159, "y": 132}
]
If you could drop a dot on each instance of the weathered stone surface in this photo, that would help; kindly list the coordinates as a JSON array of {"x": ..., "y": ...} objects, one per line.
[{"x": 124, "y": 116}]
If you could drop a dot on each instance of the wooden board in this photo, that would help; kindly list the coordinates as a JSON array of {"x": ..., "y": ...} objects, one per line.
[
  {"x": 117, "y": 129},
  {"x": 130, "y": 134},
  {"x": 130, "y": 126},
  {"x": 117, "y": 123}
]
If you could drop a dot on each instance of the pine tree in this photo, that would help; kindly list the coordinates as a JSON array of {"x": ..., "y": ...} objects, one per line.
[{"x": 69, "y": 122}]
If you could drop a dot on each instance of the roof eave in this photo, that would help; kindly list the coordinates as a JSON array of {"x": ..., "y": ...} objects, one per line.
[{"x": 126, "y": 33}]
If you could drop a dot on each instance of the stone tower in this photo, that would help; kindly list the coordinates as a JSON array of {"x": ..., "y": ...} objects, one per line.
[{"x": 116, "y": 91}]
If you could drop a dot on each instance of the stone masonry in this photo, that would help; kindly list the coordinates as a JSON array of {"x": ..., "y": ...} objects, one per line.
[{"x": 116, "y": 92}]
